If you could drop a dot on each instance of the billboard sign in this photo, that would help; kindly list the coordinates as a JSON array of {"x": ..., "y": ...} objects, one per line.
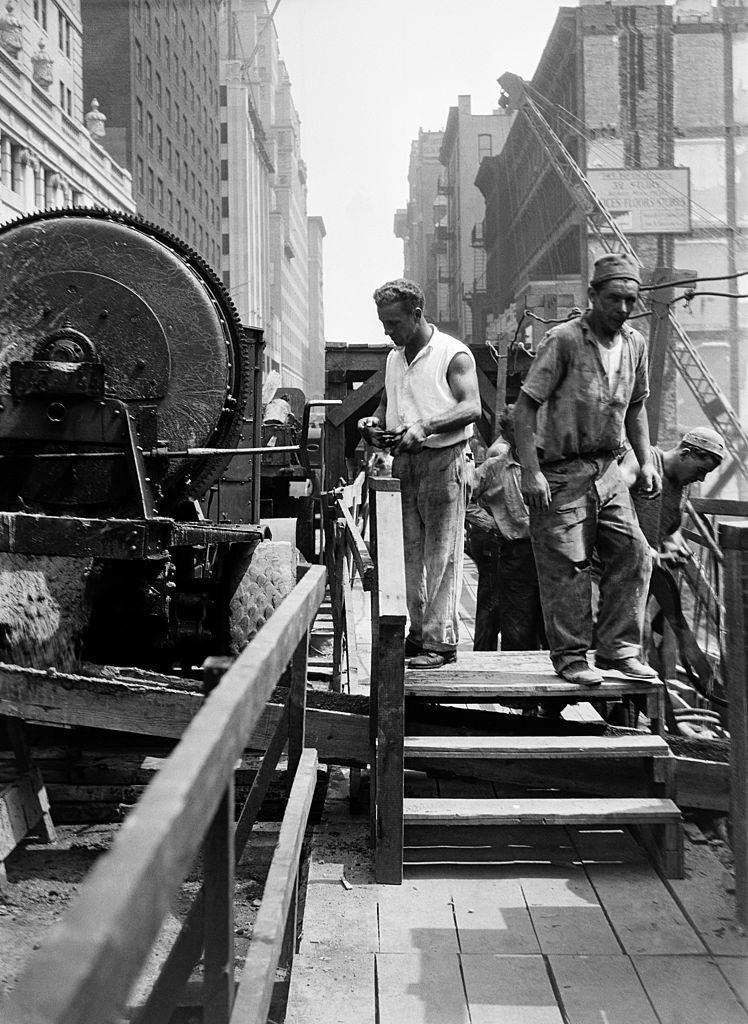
[{"x": 644, "y": 202}]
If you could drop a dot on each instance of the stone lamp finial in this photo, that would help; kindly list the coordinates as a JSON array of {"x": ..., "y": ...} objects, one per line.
[
  {"x": 11, "y": 31},
  {"x": 95, "y": 120},
  {"x": 42, "y": 64}
]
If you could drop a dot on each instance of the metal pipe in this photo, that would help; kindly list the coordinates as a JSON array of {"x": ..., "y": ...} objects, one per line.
[{"x": 157, "y": 453}]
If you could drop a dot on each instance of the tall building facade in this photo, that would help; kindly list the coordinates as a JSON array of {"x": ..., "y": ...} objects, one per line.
[
  {"x": 632, "y": 88},
  {"x": 315, "y": 370},
  {"x": 468, "y": 139},
  {"x": 415, "y": 223},
  {"x": 50, "y": 152},
  {"x": 292, "y": 272},
  {"x": 153, "y": 66}
]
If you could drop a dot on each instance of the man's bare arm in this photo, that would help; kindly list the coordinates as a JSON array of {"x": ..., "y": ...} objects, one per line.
[
  {"x": 535, "y": 489},
  {"x": 637, "y": 431}
]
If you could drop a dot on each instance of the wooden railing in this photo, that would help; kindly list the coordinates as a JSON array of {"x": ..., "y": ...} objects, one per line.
[
  {"x": 375, "y": 502},
  {"x": 84, "y": 972}
]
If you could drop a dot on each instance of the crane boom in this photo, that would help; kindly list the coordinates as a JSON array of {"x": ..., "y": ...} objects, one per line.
[{"x": 694, "y": 371}]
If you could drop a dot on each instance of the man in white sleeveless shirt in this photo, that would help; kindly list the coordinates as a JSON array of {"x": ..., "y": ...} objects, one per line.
[{"x": 429, "y": 403}]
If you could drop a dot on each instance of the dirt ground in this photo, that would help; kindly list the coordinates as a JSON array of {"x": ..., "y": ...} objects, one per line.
[{"x": 42, "y": 881}]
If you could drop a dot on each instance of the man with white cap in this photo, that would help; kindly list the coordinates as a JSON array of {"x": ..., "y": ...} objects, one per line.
[
  {"x": 700, "y": 451},
  {"x": 583, "y": 396}
]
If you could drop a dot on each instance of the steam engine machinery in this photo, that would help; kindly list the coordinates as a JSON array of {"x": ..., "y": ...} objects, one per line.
[{"x": 130, "y": 408}]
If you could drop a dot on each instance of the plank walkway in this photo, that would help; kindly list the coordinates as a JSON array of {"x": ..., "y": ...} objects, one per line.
[
  {"x": 546, "y": 925},
  {"x": 558, "y": 926}
]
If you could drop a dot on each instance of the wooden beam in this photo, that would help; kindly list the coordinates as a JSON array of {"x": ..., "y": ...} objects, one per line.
[
  {"x": 20, "y": 809},
  {"x": 84, "y": 973},
  {"x": 354, "y": 401},
  {"x": 258, "y": 974},
  {"x": 720, "y": 507}
]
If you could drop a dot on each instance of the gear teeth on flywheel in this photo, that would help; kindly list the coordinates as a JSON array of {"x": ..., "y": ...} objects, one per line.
[{"x": 241, "y": 373}]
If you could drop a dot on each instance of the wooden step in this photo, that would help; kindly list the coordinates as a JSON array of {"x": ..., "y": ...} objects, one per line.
[
  {"x": 493, "y": 676},
  {"x": 541, "y": 811},
  {"x": 541, "y": 747}
]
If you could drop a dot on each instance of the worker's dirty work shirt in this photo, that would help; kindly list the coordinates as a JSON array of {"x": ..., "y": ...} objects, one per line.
[
  {"x": 580, "y": 413},
  {"x": 421, "y": 391},
  {"x": 497, "y": 487}
]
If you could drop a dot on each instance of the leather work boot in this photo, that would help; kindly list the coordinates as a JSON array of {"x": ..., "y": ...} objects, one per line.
[
  {"x": 433, "y": 659},
  {"x": 580, "y": 673},
  {"x": 630, "y": 667}
]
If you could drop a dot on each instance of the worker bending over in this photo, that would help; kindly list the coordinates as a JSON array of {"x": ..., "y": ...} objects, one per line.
[{"x": 585, "y": 390}]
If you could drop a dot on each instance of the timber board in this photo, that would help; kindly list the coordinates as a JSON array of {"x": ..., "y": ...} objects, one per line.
[
  {"x": 339, "y": 989},
  {"x": 689, "y": 990},
  {"x": 509, "y": 990},
  {"x": 561, "y": 811},
  {"x": 593, "y": 989},
  {"x": 643, "y": 745},
  {"x": 420, "y": 988}
]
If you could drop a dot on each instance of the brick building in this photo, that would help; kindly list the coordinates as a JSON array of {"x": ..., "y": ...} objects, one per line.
[
  {"x": 50, "y": 152},
  {"x": 153, "y": 65},
  {"x": 632, "y": 85}
]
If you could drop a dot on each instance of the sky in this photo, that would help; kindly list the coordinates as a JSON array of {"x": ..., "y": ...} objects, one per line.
[{"x": 365, "y": 76}]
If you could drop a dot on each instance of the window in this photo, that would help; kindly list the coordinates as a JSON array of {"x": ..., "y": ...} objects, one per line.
[
  {"x": 149, "y": 130},
  {"x": 485, "y": 146},
  {"x": 192, "y": 188},
  {"x": 151, "y": 185},
  {"x": 139, "y": 117},
  {"x": 179, "y": 215},
  {"x": 63, "y": 33},
  {"x": 158, "y": 36},
  {"x": 168, "y": 153},
  {"x": 158, "y": 88},
  {"x": 147, "y": 12},
  {"x": 69, "y": 102},
  {"x": 178, "y": 165},
  {"x": 40, "y": 13},
  {"x": 62, "y": 95},
  {"x": 138, "y": 59},
  {"x": 159, "y": 143},
  {"x": 186, "y": 174},
  {"x": 184, "y": 127},
  {"x": 192, "y": 141},
  {"x": 184, "y": 81},
  {"x": 167, "y": 52},
  {"x": 148, "y": 75},
  {"x": 176, "y": 111},
  {"x": 160, "y": 195},
  {"x": 168, "y": 103},
  {"x": 140, "y": 175},
  {"x": 170, "y": 204}
]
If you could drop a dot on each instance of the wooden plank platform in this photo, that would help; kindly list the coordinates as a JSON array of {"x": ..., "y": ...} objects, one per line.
[
  {"x": 492, "y": 675},
  {"x": 564, "y": 924}
]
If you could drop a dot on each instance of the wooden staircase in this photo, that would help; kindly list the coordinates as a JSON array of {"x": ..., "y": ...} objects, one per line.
[{"x": 488, "y": 677}]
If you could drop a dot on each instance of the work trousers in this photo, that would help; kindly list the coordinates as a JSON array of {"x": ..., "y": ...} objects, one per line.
[
  {"x": 484, "y": 551},
  {"x": 591, "y": 512},
  {"x": 432, "y": 483}
]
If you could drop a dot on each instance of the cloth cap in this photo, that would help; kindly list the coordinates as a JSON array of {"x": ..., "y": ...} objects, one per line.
[
  {"x": 706, "y": 440},
  {"x": 615, "y": 265}
]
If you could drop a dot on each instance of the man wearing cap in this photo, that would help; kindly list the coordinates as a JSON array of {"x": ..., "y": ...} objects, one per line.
[
  {"x": 583, "y": 397},
  {"x": 699, "y": 452}
]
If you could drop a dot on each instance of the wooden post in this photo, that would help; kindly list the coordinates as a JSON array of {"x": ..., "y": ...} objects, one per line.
[
  {"x": 297, "y": 709},
  {"x": 733, "y": 538},
  {"x": 388, "y": 624},
  {"x": 218, "y": 889}
]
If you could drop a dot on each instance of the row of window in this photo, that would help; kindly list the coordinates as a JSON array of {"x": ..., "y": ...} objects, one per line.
[
  {"x": 66, "y": 99},
  {"x": 163, "y": 98},
  {"x": 153, "y": 28},
  {"x": 172, "y": 66},
  {"x": 147, "y": 128},
  {"x": 146, "y": 181},
  {"x": 64, "y": 26},
  {"x": 178, "y": 215}
]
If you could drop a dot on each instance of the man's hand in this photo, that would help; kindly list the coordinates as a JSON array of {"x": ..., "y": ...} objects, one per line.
[
  {"x": 411, "y": 438},
  {"x": 649, "y": 482},
  {"x": 371, "y": 430},
  {"x": 535, "y": 490},
  {"x": 675, "y": 551}
]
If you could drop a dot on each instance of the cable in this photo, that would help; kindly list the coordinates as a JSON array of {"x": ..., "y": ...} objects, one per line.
[{"x": 692, "y": 280}]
